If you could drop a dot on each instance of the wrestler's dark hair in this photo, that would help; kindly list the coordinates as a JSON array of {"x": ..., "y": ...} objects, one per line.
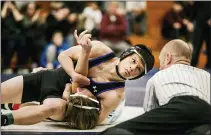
[{"x": 80, "y": 118}]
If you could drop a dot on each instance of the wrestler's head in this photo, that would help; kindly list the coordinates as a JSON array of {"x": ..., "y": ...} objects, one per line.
[
  {"x": 135, "y": 62},
  {"x": 82, "y": 112},
  {"x": 175, "y": 51}
]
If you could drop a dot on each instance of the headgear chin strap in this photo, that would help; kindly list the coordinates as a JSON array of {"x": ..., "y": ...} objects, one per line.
[
  {"x": 117, "y": 70},
  {"x": 144, "y": 53}
]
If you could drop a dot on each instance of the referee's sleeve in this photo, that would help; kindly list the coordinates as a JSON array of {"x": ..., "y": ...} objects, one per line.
[{"x": 149, "y": 98}]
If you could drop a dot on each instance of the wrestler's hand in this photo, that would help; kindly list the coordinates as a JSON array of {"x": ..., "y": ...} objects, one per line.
[
  {"x": 80, "y": 79},
  {"x": 67, "y": 92},
  {"x": 84, "y": 40},
  {"x": 35, "y": 70}
]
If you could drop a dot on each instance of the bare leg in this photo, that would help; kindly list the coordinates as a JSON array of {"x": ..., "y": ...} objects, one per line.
[
  {"x": 31, "y": 114},
  {"x": 34, "y": 114},
  {"x": 12, "y": 90}
]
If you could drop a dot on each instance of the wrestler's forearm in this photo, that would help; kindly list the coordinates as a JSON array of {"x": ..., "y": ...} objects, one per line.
[
  {"x": 66, "y": 63},
  {"x": 67, "y": 91},
  {"x": 81, "y": 67},
  {"x": 83, "y": 63},
  {"x": 31, "y": 114}
]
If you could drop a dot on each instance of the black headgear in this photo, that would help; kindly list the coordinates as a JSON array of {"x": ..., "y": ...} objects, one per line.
[{"x": 144, "y": 53}]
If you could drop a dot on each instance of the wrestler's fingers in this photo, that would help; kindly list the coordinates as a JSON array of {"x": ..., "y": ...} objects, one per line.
[
  {"x": 88, "y": 36},
  {"x": 76, "y": 36},
  {"x": 81, "y": 34},
  {"x": 90, "y": 43}
]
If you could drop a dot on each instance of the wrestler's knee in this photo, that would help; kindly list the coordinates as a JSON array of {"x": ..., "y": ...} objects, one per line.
[{"x": 54, "y": 105}]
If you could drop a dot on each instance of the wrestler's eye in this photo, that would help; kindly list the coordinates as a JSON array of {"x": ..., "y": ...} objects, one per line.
[
  {"x": 134, "y": 61},
  {"x": 139, "y": 69}
]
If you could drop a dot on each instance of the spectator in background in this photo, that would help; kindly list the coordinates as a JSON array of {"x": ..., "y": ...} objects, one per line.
[
  {"x": 113, "y": 29},
  {"x": 202, "y": 31},
  {"x": 136, "y": 17},
  {"x": 34, "y": 31},
  {"x": 52, "y": 50},
  {"x": 92, "y": 16},
  {"x": 57, "y": 19},
  {"x": 188, "y": 9},
  {"x": 12, "y": 37},
  {"x": 75, "y": 6},
  {"x": 72, "y": 20},
  {"x": 175, "y": 24},
  {"x": 21, "y": 4}
]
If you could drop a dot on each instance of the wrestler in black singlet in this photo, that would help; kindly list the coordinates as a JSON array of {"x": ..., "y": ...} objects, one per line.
[{"x": 51, "y": 83}]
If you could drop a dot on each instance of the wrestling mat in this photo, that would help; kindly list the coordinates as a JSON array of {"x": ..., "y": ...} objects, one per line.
[{"x": 54, "y": 128}]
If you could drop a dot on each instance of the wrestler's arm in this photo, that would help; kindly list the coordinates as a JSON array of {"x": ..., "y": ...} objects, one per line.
[
  {"x": 83, "y": 61},
  {"x": 67, "y": 91},
  {"x": 66, "y": 57},
  {"x": 110, "y": 103}
]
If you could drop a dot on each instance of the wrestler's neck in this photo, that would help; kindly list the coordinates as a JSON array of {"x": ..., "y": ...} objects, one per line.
[{"x": 111, "y": 69}]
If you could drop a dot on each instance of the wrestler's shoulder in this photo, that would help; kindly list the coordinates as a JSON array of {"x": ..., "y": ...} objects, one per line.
[
  {"x": 100, "y": 49},
  {"x": 100, "y": 45}
]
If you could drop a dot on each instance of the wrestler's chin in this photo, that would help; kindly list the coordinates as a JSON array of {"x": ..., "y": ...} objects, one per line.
[{"x": 124, "y": 75}]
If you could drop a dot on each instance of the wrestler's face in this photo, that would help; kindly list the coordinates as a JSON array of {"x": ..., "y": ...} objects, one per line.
[
  {"x": 131, "y": 66},
  {"x": 86, "y": 92}
]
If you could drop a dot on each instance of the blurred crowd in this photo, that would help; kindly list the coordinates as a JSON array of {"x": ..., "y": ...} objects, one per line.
[
  {"x": 36, "y": 32},
  {"x": 191, "y": 21}
]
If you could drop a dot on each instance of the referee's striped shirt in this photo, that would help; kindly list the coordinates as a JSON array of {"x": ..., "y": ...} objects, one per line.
[{"x": 177, "y": 80}]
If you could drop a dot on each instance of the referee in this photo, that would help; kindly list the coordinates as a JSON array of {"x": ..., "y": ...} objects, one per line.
[{"x": 177, "y": 98}]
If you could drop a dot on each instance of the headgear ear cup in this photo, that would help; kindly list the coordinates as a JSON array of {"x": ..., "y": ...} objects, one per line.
[{"x": 145, "y": 54}]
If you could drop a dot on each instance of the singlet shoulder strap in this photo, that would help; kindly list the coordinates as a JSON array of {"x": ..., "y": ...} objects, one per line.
[
  {"x": 101, "y": 59},
  {"x": 97, "y": 88}
]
